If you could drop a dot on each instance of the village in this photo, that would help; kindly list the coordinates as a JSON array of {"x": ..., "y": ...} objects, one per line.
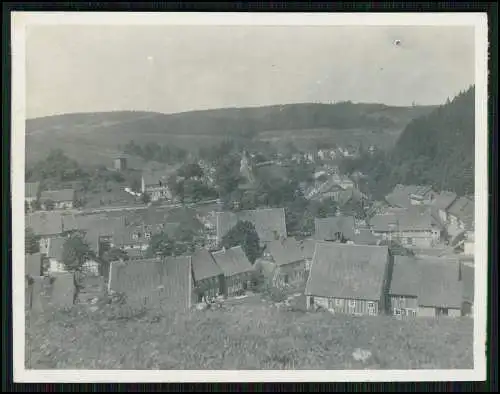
[{"x": 410, "y": 255}]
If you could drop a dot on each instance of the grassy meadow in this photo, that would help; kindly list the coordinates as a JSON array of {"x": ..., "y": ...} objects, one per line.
[{"x": 248, "y": 335}]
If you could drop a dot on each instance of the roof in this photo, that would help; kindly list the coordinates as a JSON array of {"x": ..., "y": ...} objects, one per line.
[
  {"x": 204, "y": 266},
  {"x": 444, "y": 199},
  {"x": 352, "y": 194},
  {"x": 348, "y": 271},
  {"x": 31, "y": 189},
  {"x": 177, "y": 282},
  {"x": 365, "y": 237},
  {"x": 463, "y": 209},
  {"x": 326, "y": 228},
  {"x": 400, "y": 196},
  {"x": 33, "y": 264},
  {"x": 232, "y": 261},
  {"x": 58, "y": 195},
  {"x": 433, "y": 281},
  {"x": 269, "y": 222},
  {"x": 45, "y": 223},
  {"x": 134, "y": 276},
  {"x": 56, "y": 246},
  {"x": 467, "y": 273},
  {"x": 412, "y": 219},
  {"x": 285, "y": 251}
]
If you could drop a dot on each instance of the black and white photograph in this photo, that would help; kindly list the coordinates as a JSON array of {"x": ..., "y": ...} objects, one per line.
[{"x": 217, "y": 197}]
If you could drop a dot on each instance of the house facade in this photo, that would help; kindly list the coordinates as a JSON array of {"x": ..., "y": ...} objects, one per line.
[
  {"x": 348, "y": 279},
  {"x": 236, "y": 268},
  {"x": 425, "y": 287},
  {"x": 62, "y": 199},
  {"x": 155, "y": 183},
  {"x": 289, "y": 263},
  {"x": 414, "y": 227},
  {"x": 31, "y": 192},
  {"x": 405, "y": 196},
  {"x": 45, "y": 225},
  {"x": 460, "y": 216}
]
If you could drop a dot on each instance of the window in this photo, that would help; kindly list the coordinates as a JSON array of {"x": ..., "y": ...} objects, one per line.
[
  {"x": 285, "y": 278},
  {"x": 371, "y": 312},
  {"x": 330, "y": 303},
  {"x": 413, "y": 313},
  {"x": 147, "y": 235},
  {"x": 409, "y": 241},
  {"x": 441, "y": 311},
  {"x": 338, "y": 301},
  {"x": 397, "y": 312},
  {"x": 371, "y": 305},
  {"x": 352, "y": 303}
]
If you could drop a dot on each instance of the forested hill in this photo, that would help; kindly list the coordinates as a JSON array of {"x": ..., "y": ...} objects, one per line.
[
  {"x": 435, "y": 148},
  {"x": 438, "y": 149}
]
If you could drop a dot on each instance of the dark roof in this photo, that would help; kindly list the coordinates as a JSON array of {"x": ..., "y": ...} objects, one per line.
[
  {"x": 463, "y": 209},
  {"x": 56, "y": 246},
  {"x": 326, "y": 228},
  {"x": 133, "y": 275},
  {"x": 365, "y": 237},
  {"x": 348, "y": 271},
  {"x": 285, "y": 251},
  {"x": 31, "y": 189},
  {"x": 204, "y": 266},
  {"x": 177, "y": 282},
  {"x": 45, "y": 223},
  {"x": 307, "y": 247},
  {"x": 412, "y": 219},
  {"x": 232, "y": 261},
  {"x": 444, "y": 199},
  {"x": 433, "y": 281},
  {"x": 33, "y": 264},
  {"x": 268, "y": 222},
  {"x": 58, "y": 195},
  {"x": 467, "y": 273}
]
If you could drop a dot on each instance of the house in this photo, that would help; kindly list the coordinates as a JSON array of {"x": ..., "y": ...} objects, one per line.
[
  {"x": 414, "y": 227},
  {"x": 269, "y": 223},
  {"x": 335, "y": 228},
  {"x": 236, "y": 268},
  {"x": 460, "y": 216},
  {"x": 404, "y": 196},
  {"x": 442, "y": 203},
  {"x": 425, "y": 287},
  {"x": 348, "y": 279},
  {"x": 165, "y": 283},
  {"x": 287, "y": 259},
  {"x": 62, "y": 199},
  {"x": 466, "y": 276},
  {"x": 33, "y": 264},
  {"x": 207, "y": 275},
  {"x": 45, "y": 225},
  {"x": 120, "y": 162},
  {"x": 307, "y": 247},
  {"x": 55, "y": 258},
  {"x": 155, "y": 183},
  {"x": 133, "y": 240},
  {"x": 31, "y": 191}
]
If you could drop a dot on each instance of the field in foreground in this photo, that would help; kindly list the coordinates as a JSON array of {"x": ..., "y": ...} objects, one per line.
[{"x": 246, "y": 336}]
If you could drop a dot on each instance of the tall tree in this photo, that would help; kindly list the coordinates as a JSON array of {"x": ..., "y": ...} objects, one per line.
[{"x": 244, "y": 234}]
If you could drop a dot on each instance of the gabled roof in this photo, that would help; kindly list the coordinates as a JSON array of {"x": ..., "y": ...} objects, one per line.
[
  {"x": 58, "y": 195},
  {"x": 56, "y": 246},
  {"x": 326, "y": 228},
  {"x": 365, "y": 237},
  {"x": 444, "y": 199},
  {"x": 232, "y": 261},
  {"x": 31, "y": 189},
  {"x": 400, "y": 196},
  {"x": 285, "y": 251},
  {"x": 45, "y": 223},
  {"x": 177, "y": 282},
  {"x": 348, "y": 271},
  {"x": 467, "y": 276},
  {"x": 204, "y": 265},
  {"x": 463, "y": 209},
  {"x": 412, "y": 219},
  {"x": 33, "y": 264},
  {"x": 269, "y": 222},
  {"x": 433, "y": 281}
]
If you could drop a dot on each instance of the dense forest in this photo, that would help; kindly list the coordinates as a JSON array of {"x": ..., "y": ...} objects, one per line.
[{"x": 435, "y": 149}]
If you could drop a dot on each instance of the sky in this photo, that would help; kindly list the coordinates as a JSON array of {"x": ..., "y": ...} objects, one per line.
[{"x": 173, "y": 69}]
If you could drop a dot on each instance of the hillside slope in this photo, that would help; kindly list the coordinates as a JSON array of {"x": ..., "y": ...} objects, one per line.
[
  {"x": 93, "y": 137},
  {"x": 438, "y": 149}
]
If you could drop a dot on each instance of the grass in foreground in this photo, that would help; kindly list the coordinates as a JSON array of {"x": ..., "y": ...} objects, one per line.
[{"x": 246, "y": 336}]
